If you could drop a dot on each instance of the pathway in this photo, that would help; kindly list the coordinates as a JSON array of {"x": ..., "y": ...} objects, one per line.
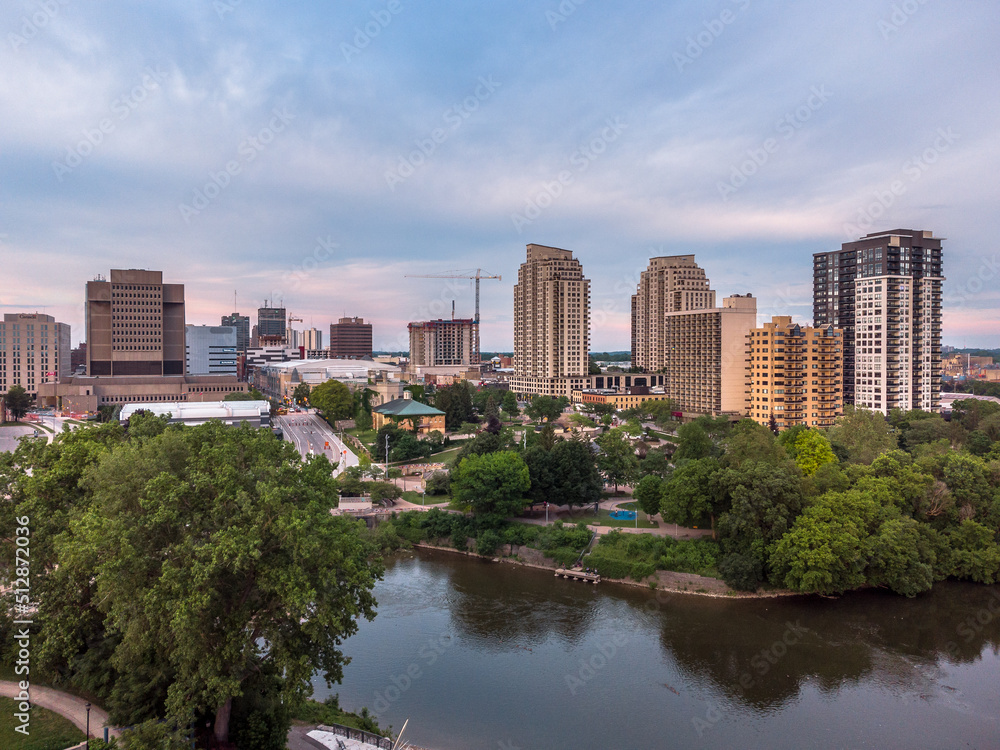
[{"x": 64, "y": 704}]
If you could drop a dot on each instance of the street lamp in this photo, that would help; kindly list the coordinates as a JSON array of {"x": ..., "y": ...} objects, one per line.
[{"x": 88, "y": 726}]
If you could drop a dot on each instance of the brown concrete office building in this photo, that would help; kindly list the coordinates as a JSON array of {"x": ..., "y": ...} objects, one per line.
[
  {"x": 135, "y": 325},
  {"x": 350, "y": 338},
  {"x": 795, "y": 374},
  {"x": 551, "y": 324},
  {"x": 34, "y": 350},
  {"x": 884, "y": 291}
]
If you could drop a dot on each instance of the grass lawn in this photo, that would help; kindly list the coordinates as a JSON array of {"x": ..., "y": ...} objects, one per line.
[
  {"x": 447, "y": 457},
  {"x": 48, "y": 731},
  {"x": 418, "y": 498},
  {"x": 603, "y": 518}
]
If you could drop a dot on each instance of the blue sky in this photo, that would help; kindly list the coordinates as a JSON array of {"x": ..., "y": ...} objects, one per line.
[{"x": 319, "y": 152}]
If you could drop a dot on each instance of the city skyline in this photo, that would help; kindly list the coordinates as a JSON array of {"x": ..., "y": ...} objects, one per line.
[{"x": 314, "y": 157}]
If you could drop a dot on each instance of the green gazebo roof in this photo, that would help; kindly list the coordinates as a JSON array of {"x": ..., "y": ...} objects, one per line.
[{"x": 407, "y": 407}]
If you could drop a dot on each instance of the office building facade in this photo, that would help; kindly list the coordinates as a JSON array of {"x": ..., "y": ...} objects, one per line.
[
  {"x": 34, "y": 350},
  {"x": 211, "y": 350},
  {"x": 670, "y": 284},
  {"x": 242, "y": 325},
  {"x": 350, "y": 338},
  {"x": 551, "y": 324},
  {"x": 444, "y": 342},
  {"x": 135, "y": 325},
  {"x": 884, "y": 292},
  {"x": 795, "y": 374},
  {"x": 271, "y": 326}
]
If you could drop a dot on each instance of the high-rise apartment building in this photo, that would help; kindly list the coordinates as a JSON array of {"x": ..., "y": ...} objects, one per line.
[
  {"x": 34, "y": 349},
  {"x": 551, "y": 323},
  {"x": 312, "y": 339},
  {"x": 704, "y": 365},
  {"x": 211, "y": 350},
  {"x": 242, "y": 325},
  {"x": 670, "y": 284},
  {"x": 444, "y": 342},
  {"x": 271, "y": 326},
  {"x": 884, "y": 291},
  {"x": 794, "y": 374},
  {"x": 135, "y": 325},
  {"x": 350, "y": 338}
]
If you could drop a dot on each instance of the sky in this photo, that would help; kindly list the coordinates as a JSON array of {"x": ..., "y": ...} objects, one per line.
[{"x": 315, "y": 154}]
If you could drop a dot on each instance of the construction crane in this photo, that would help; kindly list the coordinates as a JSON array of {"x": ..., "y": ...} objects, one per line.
[
  {"x": 288, "y": 326},
  {"x": 461, "y": 275}
]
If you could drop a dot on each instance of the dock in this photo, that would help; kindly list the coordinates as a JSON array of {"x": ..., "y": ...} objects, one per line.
[{"x": 578, "y": 575}]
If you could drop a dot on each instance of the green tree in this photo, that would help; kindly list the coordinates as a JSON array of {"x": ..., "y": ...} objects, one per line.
[
  {"x": 617, "y": 459},
  {"x": 690, "y": 496},
  {"x": 301, "y": 394},
  {"x": 456, "y": 403},
  {"x": 334, "y": 400},
  {"x": 648, "y": 494},
  {"x": 974, "y": 553},
  {"x": 546, "y": 407},
  {"x": 492, "y": 486},
  {"x": 593, "y": 368},
  {"x": 490, "y": 409},
  {"x": 196, "y": 558},
  {"x": 863, "y": 434},
  {"x": 812, "y": 450},
  {"x": 403, "y": 444},
  {"x": 749, "y": 441},
  {"x": 694, "y": 442},
  {"x": 509, "y": 404},
  {"x": 656, "y": 463},
  {"x": 576, "y": 479},
  {"x": 18, "y": 402}
]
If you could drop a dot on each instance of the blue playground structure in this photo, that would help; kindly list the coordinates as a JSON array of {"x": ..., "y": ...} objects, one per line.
[{"x": 623, "y": 515}]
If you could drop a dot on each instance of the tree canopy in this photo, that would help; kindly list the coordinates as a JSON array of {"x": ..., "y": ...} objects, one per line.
[
  {"x": 493, "y": 486},
  {"x": 18, "y": 402},
  {"x": 177, "y": 566},
  {"x": 334, "y": 400}
]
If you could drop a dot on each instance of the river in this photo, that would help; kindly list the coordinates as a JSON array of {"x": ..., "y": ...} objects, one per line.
[{"x": 487, "y": 656}]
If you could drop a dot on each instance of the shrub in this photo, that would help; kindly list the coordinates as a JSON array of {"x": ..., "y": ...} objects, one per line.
[{"x": 741, "y": 572}]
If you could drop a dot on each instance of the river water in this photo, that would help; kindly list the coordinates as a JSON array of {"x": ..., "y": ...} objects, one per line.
[{"x": 487, "y": 656}]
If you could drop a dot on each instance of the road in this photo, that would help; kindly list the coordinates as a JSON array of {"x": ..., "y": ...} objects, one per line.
[{"x": 310, "y": 434}]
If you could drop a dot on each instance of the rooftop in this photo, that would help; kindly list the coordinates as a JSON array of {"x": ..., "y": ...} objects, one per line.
[{"x": 407, "y": 407}]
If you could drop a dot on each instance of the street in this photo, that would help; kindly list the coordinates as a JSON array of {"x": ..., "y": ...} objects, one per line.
[{"x": 310, "y": 434}]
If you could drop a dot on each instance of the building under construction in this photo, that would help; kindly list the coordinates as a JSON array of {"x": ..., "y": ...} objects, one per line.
[{"x": 444, "y": 342}]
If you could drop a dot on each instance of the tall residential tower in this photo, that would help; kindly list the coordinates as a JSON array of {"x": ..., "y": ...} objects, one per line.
[
  {"x": 884, "y": 291},
  {"x": 551, "y": 323}
]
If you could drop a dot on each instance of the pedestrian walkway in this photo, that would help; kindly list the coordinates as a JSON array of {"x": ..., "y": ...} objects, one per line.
[{"x": 69, "y": 706}]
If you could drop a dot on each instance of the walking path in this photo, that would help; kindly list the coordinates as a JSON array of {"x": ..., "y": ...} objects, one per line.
[{"x": 66, "y": 705}]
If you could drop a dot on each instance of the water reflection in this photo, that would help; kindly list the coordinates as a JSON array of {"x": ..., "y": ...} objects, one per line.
[{"x": 871, "y": 669}]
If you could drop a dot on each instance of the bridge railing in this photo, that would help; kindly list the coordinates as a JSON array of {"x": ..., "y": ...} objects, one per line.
[{"x": 357, "y": 734}]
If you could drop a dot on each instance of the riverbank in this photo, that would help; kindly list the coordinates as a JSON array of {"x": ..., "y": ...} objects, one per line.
[{"x": 669, "y": 581}]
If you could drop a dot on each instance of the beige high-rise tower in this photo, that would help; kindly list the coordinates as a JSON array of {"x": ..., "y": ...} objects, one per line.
[
  {"x": 551, "y": 323},
  {"x": 673, "y": 283}
]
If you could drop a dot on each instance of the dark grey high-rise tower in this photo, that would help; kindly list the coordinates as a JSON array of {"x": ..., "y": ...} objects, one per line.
[
  {"x": 884, "y": 291},
  {"x": 271, "y": 326},
  {"x": 242, "y": 325}
]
